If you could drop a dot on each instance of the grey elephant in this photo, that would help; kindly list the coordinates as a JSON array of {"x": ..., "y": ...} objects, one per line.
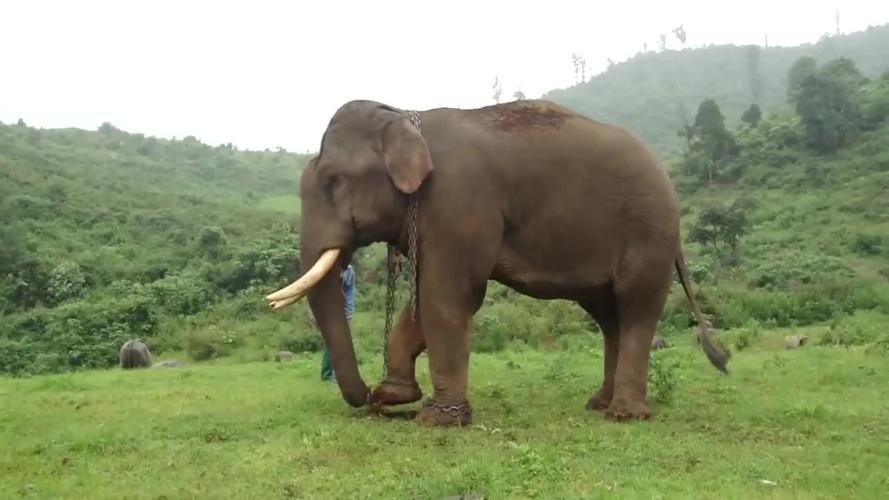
[{"x": 530, "y": 194}]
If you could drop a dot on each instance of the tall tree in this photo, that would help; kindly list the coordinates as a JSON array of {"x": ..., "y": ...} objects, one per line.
[
  {"x": 579, "y": 63},
  {"x": 826, "y": 101},
  {"x": 754, "y": 58},
  {"x": 752, "y": 116},
  {"x": 803, "y": 68},
  {"x": 680, "y": 34}
]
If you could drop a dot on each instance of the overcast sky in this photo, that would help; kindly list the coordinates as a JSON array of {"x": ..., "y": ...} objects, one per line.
[{"x": 266, "y": 74}]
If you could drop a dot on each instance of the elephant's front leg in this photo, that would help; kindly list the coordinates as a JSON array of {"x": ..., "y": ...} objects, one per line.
[
  {"x": 446, "y": 312},
  {"x": 404, "y": 345}
]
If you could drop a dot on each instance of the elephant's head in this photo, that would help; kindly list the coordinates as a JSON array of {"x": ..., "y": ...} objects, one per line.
[{"x": 353, "y": 193}]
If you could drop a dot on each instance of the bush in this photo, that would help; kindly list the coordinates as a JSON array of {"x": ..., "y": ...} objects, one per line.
[
  {"x": 80, "y": 334},
  {"x": 184, "y": 293},
  {"x": 17, "y": 357},
  {"x": 859, "y": 329},
  {"x": 793, "y": 268},
  {"x": 66, "y": 281},
  {"x": 748, "y": 335},
  {"x": 203, "y": 343},
  {"x": 867, "y": 244}
]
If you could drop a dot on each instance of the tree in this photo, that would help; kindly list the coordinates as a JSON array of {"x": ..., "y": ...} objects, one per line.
[
  {"x": 680, "y": 34},
  {"x": 721, "y": 227},
  {"x": 826, "y": 101},
  {"x": 803, "y": 68},
  {"x": 827, "y": 112},
  {"x": 754, "y": 57},
  {"x": 662, "y": 39},
  {"x": 66, "y": 281},
  {"x": 579, "y": 63},
  {"x": 518, "y": 95},
  {"x": 752, "y": 116},
  {"x": 497, "y": 89},
  {"x": 714, "y": 144}
]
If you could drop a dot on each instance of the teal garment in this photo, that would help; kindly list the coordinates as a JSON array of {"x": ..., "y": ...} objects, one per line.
[
  {"x": 348, "y": 287},
  {"x": 326, "y": 369}
]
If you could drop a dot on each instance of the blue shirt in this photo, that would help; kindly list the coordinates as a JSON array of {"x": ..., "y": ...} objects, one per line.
[
  {"x": 348, "y": 279},
  {"x": 348, "y": 287}
]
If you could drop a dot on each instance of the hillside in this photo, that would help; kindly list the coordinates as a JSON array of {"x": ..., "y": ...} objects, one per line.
[
  {"x": 109, "y": 235},
  {"x": 655, "y": 93}
]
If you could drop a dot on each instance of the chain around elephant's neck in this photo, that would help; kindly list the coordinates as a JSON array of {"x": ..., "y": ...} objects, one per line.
[{"x": 412, "y": 215}]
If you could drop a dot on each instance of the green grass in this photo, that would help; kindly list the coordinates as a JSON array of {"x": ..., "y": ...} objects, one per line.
[{"x": 814, "y": 422}]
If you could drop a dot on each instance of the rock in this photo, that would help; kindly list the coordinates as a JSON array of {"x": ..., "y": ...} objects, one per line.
[
  {"x": 134, "y": 354},
  {"x": 794, "y": 341},
  {"x": 172, "y": 363},
  {"x": 658, "y": 342},
  {"x": 284, "y": 356}
]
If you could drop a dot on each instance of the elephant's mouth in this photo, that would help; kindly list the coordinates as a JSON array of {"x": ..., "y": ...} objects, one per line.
[{"x": 299, "y": 288}]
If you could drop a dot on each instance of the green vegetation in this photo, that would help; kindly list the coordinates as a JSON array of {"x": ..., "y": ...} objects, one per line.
[
  {"x": 109, "y": 236},
  {"x": 656, "y": 92},
  {"x": 805, "y": 423}
]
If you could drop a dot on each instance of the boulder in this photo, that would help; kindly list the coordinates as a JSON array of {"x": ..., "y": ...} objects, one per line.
[
  {"x": 284, "y": 356},
  {"x": 172, "y": 363},
  {"x": 794, "y": 341},
  {"x": 134, "y": 354}
]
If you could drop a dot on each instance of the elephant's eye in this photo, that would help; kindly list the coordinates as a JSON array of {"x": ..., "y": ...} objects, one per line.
[{"x": 331, "y": 183}]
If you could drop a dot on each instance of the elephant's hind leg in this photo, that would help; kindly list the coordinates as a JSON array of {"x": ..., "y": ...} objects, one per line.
[
  {"x": 604, "y": 312},
  {"x": 641, "y": 296},
  {"x": 404, "y": 345}
]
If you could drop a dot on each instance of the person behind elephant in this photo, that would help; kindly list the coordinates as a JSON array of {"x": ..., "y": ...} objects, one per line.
[{"x": 347, "y": 277}]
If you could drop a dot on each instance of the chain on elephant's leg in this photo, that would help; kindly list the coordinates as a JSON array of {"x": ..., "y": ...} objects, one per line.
[{"x": 446, "y": 326}]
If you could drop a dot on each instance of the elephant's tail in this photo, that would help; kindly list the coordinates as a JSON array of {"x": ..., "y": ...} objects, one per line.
[{"x": 717, "y": 355}]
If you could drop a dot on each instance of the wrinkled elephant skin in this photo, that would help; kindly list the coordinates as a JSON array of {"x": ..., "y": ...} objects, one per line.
[{"x": 529, "y": 194}]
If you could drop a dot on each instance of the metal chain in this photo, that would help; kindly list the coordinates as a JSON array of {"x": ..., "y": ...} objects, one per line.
[
  {"x": 412, "y": 216},
  {"x": 459, "y": 410},
  {"x": 390, "y": 308}
]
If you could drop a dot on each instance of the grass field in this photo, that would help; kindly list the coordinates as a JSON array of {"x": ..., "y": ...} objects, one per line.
[{"x": 806, "y": 423}]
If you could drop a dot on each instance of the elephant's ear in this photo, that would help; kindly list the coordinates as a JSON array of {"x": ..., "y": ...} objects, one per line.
[{"x": 406, "y": 155}]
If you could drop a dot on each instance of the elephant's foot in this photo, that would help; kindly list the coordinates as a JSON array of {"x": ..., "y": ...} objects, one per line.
[
  {"x": 623, "y": 409},
  {"x": 600, "y": 400},
  {"x": 393, "y": 392},
  {"x": 434, "y": 413}
]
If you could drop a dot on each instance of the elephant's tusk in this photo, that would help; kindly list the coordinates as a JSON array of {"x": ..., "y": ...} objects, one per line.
[
  {"x": 296, "y": 290},
  {"x": 278, "y": 304}
]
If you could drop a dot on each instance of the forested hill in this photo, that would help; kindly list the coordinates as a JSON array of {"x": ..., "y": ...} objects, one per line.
[
  {"x": 107, "y": 236},
  {"x": 126, "y": 206},
  {"x": 657, "y": 92}
]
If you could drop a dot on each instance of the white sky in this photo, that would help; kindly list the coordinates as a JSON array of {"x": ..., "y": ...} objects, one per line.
[{"x": 266, "y": 74}]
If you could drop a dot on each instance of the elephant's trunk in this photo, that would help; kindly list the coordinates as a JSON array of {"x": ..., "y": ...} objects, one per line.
[{"x": 327, "y": 302}]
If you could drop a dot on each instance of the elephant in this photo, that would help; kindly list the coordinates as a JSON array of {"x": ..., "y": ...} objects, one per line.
[{"x": 529, "y": 194}]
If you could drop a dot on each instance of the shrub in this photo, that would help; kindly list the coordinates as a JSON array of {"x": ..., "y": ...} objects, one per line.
[
  {"x": 862, "y": 328},
  {"x": 302, "y": 342},
  {"x": 203, "y": 343},
  {"x": 794, "y": 267},
  {"x": 184, "y": 293},
  {"x": 66, "y": 281}
]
